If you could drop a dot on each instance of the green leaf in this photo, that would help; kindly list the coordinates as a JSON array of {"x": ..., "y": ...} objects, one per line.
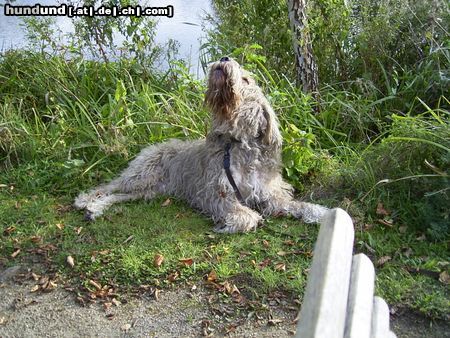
[{"x": 121, "y": 91}]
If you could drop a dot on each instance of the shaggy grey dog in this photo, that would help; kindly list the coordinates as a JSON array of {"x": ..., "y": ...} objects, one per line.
[{"x": 243, "y": 121}]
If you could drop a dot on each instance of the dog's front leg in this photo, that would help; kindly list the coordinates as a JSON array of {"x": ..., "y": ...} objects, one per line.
[
  {"x": 232, "y": 217},
  {"x": 279, "y": 201},
  {"x": 307, "y": 212}
]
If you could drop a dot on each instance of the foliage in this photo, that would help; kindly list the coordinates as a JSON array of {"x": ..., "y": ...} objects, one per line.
[
  {"x": 301, "y": 161},
  {"x": 98, "y": 36},
  {"x": 265, "y": 22},
  {"x": 81, "y": 111},
  {"x": 408, "y": 171},
  {"x": 394, "y": 48}
]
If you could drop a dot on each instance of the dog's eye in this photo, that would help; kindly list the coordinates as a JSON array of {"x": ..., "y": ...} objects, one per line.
[{"x": 246, "y": 81}]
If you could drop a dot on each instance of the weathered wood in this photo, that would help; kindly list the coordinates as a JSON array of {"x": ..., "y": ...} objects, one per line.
[
  {"x": 380, "y": 319},
  {"x": 324, "y": 307},
  {"x": 339, "y": 300},
  {"x": 360, "y": 299}
]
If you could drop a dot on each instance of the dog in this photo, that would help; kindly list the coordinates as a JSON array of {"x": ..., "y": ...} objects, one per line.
[{"x": 233, "y": 175}]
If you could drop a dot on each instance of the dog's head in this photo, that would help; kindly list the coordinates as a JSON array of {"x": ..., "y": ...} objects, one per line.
[
  {"x": 229, "y": 87},
  {"x": 226, "y": 81}
]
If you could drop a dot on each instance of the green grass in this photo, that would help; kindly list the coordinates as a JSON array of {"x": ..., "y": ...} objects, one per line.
[
  {"x": 410, "y": 278},
  {"x": 120, "y": 248}
]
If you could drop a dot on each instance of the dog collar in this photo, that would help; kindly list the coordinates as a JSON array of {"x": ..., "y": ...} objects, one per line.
[{"x": 226, "y": 166}]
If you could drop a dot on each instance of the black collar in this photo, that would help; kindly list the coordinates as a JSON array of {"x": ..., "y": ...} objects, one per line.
[{"x": 226, "y": 166}]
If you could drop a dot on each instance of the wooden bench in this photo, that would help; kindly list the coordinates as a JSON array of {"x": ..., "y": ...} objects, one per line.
[{"x": 339, "y": 298}]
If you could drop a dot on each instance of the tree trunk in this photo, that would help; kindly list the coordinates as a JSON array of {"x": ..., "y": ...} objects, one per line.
[{"x": 305, "y": 63}]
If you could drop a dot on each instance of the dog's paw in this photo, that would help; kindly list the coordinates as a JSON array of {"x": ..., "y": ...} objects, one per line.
[
  {"x": 313, "y": 213},
  {"x": 81, "y": 201},
  {"x": 221, "y": 228},
  {"x": 235, "y": 228},
  {"x": 88, "y": 216},
  {"x": 244, "y": 221},
  {"x": 261, "y": 223}
]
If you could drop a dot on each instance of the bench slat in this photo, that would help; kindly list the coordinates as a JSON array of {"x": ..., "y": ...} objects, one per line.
[
  {"x": 360, "y": 299},
  {"x": 325, "y": 302},
  {"x": 380, "y": 319}
]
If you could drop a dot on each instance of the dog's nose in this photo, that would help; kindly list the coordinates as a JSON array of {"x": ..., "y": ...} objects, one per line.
[{"x": 224, "y": 59}]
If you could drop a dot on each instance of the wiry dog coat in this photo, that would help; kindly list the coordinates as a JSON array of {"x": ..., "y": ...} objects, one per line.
[{"x": 193, "y": 170}]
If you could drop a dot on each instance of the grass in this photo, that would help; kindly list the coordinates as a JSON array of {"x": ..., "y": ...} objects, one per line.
[
  {"x": 410, "y": 277},
  {"x": 66, "y": 126},
  {"x": 120, "y": 248}
]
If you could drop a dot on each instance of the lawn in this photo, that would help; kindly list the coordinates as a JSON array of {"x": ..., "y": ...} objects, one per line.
[{"x": 164, "y": 243}]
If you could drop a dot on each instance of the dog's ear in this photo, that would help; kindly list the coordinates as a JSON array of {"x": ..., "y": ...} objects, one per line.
[{"x": 272, "y": 134}]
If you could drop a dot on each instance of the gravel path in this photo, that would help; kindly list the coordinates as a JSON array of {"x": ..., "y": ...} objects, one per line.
[{"x": 182, "y": 312}]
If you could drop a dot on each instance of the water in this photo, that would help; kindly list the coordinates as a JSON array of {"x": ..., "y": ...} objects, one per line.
[{"x": 185, "y": 26}]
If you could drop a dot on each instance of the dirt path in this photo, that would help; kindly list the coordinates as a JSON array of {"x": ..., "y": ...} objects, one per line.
[{"x": 182, "y": 312}]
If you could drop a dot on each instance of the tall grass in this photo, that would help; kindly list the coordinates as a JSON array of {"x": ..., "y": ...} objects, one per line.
[
  {"x": 87, "y": 110},
  {"x": 77, "y": 121}
]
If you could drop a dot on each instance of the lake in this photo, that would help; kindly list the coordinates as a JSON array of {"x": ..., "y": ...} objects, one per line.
[{"x": 185, "y": 26}]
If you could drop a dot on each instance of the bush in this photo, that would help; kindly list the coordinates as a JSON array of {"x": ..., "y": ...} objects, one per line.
[{"x": 408, "y": 173}]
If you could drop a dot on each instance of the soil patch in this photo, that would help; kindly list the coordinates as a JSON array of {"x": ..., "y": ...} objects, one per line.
[{"x": 185, "y": 311}]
